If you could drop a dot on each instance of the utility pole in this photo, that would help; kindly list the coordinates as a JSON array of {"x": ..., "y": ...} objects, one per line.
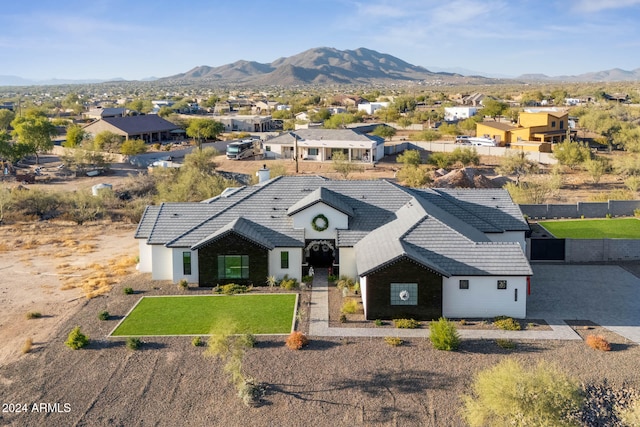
[{"x": 295, "y": 150}]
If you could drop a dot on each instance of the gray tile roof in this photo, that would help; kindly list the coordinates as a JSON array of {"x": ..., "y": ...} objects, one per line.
[
  {"x": 134, "y": 125},
  {"x": 444, "y": 230},
  {"x": 346, "y": 135},
  {"x": 324, "y": 195}
]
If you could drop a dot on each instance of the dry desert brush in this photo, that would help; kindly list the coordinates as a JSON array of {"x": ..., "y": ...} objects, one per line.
[
  {"x": 508, "y": 394},
  {"x": 296, "y": 340},
  {"x": 443, "y": 334},
  {"x": 598, "y": 342}
]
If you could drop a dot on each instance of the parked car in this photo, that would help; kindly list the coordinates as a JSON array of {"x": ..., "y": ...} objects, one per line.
[{"x": 463, "y": 139}]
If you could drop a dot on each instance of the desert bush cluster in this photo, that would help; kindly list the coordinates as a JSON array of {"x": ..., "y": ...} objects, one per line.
[
  {"x": 506, "y": 323},
  {"x": 296, "y": 340},
  {"x": 444, "y": 335},
  {"x": 406, "y": 323}
]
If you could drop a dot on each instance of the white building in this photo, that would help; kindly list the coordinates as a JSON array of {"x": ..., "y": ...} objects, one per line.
[{"x": 453, "y": 114}]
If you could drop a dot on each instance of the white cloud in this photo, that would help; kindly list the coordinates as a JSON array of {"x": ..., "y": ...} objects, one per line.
[{"x": 590, "y": 6}]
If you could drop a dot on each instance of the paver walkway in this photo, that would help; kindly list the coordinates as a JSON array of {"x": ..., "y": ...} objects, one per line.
[{"x": 319, "y": 323}]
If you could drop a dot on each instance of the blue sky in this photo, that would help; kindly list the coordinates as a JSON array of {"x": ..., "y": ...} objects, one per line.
[{"x": 73, "y": 39}]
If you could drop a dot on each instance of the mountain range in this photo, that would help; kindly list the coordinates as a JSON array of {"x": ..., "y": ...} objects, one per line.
[{"x": 326, "y": 66}]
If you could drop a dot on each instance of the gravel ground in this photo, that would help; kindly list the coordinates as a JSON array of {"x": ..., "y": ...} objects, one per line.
[{"x": 331, "y": 382}]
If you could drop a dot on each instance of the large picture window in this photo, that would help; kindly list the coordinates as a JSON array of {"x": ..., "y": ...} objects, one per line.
[
  {"x": 186, "y": 263},
  {"x": 233, "y": 266},
  {"x": 404, "y": 294}
]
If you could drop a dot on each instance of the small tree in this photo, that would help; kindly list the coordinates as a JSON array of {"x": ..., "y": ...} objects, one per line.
[
  {"x": 516, "y": 164},
  {"x": 507, "y": 394},
  {"x": 409, "y": 157},
  {"x": 107, "y": 141},
  {"x": 34, "y": 131},
  {"x": 201, "y": 129},
  {"x": 343, "y": 166},
  {"x": 75, "y": 136},
  {"x": 413, "y": 176},
  {"x": 444, "y": 335},
  {"x": 131, "y": 147},
  {"x": 595, "y": 168},
  {"x": 571, "y": 154},
  {"x": 385, "y": 132}
]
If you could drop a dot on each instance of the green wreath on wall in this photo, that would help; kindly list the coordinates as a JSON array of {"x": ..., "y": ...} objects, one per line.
[{"x": 324, "y": 222}]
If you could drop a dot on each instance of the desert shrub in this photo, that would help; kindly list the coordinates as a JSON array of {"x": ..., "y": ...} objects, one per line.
[
  {"x": 247, "y": 340},
  {"x": 134, "y": 343},
  {"x": 506, "y": 344},
  {"x": 289, "y": 283},
  {"x": 406, "y": 323},
  {"x": 444, "y": 335},
  {"x": 34, "y": 315},
  {"x": 76, "y": 339},
  {"x": 345, "y": 282},
  {"x": 378, "y": 322},
  {"x": 630, "y": 416},
  {"x": 350, "y": 306},
  {"x": 26, "y": 347},
  {"x": 307, "y": 279},
  {"x": 250, "y": 393},
  {"x": 271, "y": 281},
  {"x": 598, "y": 342},
  {"x": 393, "y": 341},
  {"x": 183, "y": 284},
  {"x": 127, "y": 291},
  {"x": 467, "y": 156},
  {"x": 636, "y": 213},
  {"x": 332, "y": 278},
  {"x": 463, "y": 322},
  {"x": 296, "y": 340},
  {"x": 103, "y": 315},
  {"x": 343, "y": 318},
  {"x": 507, "y": 394},
  {"x": 506, "y": 323},
  {"x": 231, "y": 289},
  {"x": 197, "y": 342}
]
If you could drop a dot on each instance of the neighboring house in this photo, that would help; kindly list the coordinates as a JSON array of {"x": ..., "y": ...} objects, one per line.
[
  {"x": 453, "y": 114},
  {"x": 475, "y": 99},
  {"x": 149, "y": 128},
  {"x": 372, "y": 107},
  {"x": 320, "y": 144},
  {"x": 533, "y": 126},
  {"x": 421, "y": 253},
  {"x": 103, "y": 113},
  {"x": 247, "y": 123}
]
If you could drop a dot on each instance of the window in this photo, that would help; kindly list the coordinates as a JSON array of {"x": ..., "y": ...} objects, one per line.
[
  {"x": 233, "y": 266},
  {"x": 404, "y": 294},
  {"x": 464, "y": 284},
  {"x": 313, "y": 151},
  {"x": 561, "y": 124},
  {"x": 186, "y": 263},
  {"x": 267, "y": 148},
  {"x": 553, "y": 124},
  {"x": 502, "y": 284},
  {"x": 284, "y": 259}
]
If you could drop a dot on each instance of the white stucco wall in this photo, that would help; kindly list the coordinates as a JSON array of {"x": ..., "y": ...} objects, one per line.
[
  {"x": 483, "y": 298},
  {"x": 295, "y": 263},
  {"x": 144, "y": 252},
  {"x": 348, "y": 263},
  {"x": 162, "y": 263},
  {"x": 337, "y": 220},
  {"x": 509, "y": 236},
  {"x": 178, "y": 269},
  {"x": 379, "y": 152},
  {"x": 363, "y": 291}
]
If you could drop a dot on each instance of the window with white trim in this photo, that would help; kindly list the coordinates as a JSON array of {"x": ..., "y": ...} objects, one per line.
[{"x": 404, "y": 294}]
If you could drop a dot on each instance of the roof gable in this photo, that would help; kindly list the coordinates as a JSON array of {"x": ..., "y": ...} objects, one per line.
[
  {"x": 321, "y": 195},
  {"x": 242, "y": 227}
]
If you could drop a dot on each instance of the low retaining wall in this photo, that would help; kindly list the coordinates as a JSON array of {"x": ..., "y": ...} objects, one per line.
[
  {"x": 580, "y": 209},
  {"x": 602, "y": 250}
]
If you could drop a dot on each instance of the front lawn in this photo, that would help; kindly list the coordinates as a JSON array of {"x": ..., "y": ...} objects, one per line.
[
  {"x": 196, "y": 315},
  {"x": 618, "y": 228}
]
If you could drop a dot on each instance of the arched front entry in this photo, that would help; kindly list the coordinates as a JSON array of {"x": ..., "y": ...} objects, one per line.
[{"x": 320, "y": 253}]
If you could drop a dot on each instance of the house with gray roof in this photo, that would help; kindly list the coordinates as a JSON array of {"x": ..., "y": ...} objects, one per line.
[
  {"x": 421, "y": 253},
  {"x": 150, "y": 128},
  {"x": 320, "y": 145}
]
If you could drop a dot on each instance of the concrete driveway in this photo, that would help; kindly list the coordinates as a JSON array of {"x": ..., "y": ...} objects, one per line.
[{"x": 604, "y": 294}]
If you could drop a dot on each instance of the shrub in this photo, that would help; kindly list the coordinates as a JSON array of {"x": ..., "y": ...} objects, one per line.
[
  {"x": 231, "y": 289},
  {"x": 345, "y": 283},
  {"x": 133, "y": 343},
  {"x": 183, "y": 284},
  {"x": 76, "y": 339},
  {"x": 444, "y": 335},
  {"x": 197, "y": 342},
  {"x": 250, "y": 393},
  {"x": 393, "y": 341},
  {"x": 378, "y": 322},
  {"x": 506, "y": 323},
  {"x": 247, "y": 340},
  {"x": 288, "y": 283},
  {"x": 103, "y": 315},
  {"x": 307, "y": 279},
  {"x": 332, "y": 278},
  {"x": 271, "y": 281},
  {"x": 350, "y": 306},
  {"x": 34, "y": 315},
  {"x": 343, "y": 318},
  {"x": 26, "y": 348},
  {"x": 507, "y": 392},
  {"x": 598, "y": 342},
  {"x": 630, "y": 416},
  {"x": 406, "y": 323},
  {"x": 506, "y": 344},
  {"x": 128, "y": 291},
  {"x": 296, "y": 340},
  {"x": 463, "y": 322}
]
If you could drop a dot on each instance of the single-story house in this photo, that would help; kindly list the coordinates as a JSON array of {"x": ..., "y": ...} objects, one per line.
[
  {"x": 246, "y": 123},
  {"x": 453, "y": 114},
  {"x": 320, "y": 144},
  {"x": 104, "y": 112},
  {"x": 372, "y": 107},
  {"x": 421, "y": 253},
  {"x": 150, "y": 128}
]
